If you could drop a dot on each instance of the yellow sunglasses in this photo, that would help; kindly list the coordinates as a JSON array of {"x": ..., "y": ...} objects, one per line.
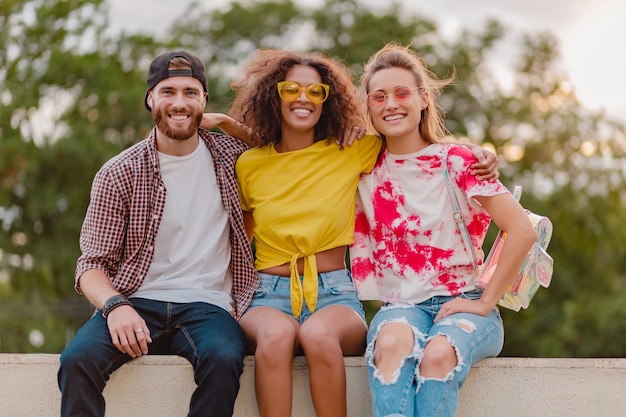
[{"x": 290, "y": 91}]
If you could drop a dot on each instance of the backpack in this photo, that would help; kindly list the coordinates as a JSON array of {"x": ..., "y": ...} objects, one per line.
[{"x": 538, "y": 265}]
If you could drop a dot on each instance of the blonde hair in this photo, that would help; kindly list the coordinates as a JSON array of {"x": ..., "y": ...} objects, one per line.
[{"x": 393, "y": 55}]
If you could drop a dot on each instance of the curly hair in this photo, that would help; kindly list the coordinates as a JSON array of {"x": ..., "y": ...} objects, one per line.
[
  {"x": 257, "y": 104},
  {"x": 393, "y": 55}
]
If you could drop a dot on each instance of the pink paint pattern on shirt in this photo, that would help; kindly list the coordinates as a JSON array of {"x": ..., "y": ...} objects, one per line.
[
  {"x": 407, "y": 246},
  {"x": 398, "y": 237}
]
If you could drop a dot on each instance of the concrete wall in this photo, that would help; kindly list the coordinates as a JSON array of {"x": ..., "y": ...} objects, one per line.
[{"x": 161, "y": 386}]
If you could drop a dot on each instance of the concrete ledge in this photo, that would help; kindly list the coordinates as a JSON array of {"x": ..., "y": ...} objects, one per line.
[{"x": 162, "y": 385}]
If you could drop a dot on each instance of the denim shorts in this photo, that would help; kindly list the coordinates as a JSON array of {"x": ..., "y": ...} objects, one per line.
[{"x": 334, "y": 288}]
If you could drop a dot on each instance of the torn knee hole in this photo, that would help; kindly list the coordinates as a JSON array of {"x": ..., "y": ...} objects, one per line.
[{"x": 388, "y": 374}]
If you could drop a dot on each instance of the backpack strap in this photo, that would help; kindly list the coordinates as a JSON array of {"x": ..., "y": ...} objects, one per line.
[{"x": 458, "y": 216}]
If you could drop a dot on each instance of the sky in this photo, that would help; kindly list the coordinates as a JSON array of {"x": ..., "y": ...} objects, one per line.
[{"x": 590, "y": 33}]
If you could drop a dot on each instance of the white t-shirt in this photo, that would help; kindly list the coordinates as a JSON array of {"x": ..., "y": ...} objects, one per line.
[
  {"x": 192, "y": 249},
  {"x": 407, "y": 247}
]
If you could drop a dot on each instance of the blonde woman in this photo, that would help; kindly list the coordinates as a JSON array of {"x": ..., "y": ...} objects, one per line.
[{"x": 408, "y": 252}]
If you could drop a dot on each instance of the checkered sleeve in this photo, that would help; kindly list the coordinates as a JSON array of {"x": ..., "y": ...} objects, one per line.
[{"x": 102, "y": 233}]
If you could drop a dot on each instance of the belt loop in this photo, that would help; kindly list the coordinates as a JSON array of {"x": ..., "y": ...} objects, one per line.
[{"x": 322, "y": 278}]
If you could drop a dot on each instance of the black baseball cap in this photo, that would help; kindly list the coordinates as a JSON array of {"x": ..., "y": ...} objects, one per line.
[{"x": 159, "y": 70}]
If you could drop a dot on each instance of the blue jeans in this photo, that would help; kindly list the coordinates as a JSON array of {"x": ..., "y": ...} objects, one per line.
[
  {"x": 207, "y": 335},
  {"x": 408, "y": 393}
]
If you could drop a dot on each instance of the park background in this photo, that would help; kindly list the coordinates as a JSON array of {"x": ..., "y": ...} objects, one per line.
[{"x": 72, "y": 82}]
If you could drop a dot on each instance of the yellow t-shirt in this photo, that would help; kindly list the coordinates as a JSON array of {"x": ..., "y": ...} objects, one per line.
[{"x": 302, "y": 203}]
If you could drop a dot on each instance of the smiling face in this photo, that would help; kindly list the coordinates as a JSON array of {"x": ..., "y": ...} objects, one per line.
[
  {"x": 398, "y": 118},
  {"x": 177, "y": 106},
  {"x": 299, "y": 117}
]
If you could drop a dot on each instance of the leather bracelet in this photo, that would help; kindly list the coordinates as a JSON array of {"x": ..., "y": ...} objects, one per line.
[{"x": 113, "y": 303}]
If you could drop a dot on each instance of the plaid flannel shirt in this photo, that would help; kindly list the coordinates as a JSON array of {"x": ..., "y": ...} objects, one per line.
[{"x": 125, "y": 211}]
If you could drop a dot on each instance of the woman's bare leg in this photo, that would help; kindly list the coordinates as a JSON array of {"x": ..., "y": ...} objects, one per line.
[
  {"x": 271, "y": 334},
  {"x": 326, "y": 337}
]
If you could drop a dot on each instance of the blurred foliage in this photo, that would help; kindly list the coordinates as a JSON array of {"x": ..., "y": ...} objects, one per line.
[{"x": 71, "y": 96}]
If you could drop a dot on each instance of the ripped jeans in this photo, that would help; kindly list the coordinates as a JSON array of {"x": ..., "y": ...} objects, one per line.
[{"x": 408, "y": 393}]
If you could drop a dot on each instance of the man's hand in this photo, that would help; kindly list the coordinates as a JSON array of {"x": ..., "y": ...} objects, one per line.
[{"x": 129, "y": 332}]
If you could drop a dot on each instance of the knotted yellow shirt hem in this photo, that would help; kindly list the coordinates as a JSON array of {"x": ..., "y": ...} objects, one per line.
[{"x": 308, "y": 291}]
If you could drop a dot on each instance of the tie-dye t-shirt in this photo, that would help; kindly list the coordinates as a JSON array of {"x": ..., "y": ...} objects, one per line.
[{"x": 407, "y": 247}]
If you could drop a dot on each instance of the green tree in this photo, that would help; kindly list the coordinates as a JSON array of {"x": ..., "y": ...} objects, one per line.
[
  {"x": 558, "y": 150},
  {"x": 69, "y": 102},
  {"x": 570, "y": 162},
  {"x": 71, "y": 97}
]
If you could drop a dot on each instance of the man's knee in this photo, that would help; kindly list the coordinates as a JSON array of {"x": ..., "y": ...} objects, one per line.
[
  {"x": 75, "y": 355},
  {"x": 222, "y": 355}
]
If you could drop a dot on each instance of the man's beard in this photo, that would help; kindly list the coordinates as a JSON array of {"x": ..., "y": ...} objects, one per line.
[{"x": 161, "y": 121}]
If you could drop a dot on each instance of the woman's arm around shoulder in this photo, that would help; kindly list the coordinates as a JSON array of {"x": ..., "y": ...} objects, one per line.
[{"x": 229, "y": 126}]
